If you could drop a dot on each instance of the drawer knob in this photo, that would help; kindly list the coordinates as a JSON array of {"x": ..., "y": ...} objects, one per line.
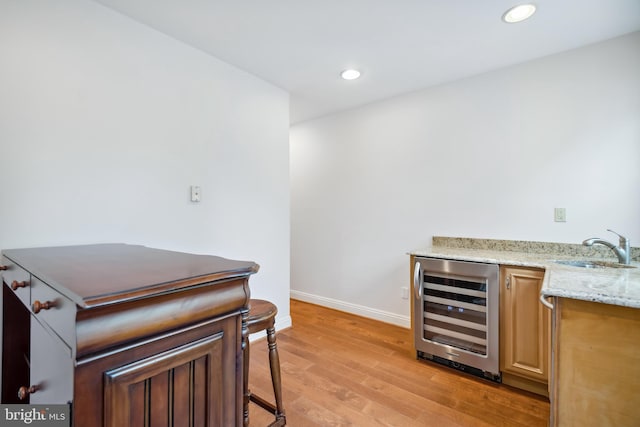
[
  {"x": 38, "y": 306},
  {"x": 23, "y": 391},
  {"x": 15, "y": 284},
  {"x": 3, "y": 267}
]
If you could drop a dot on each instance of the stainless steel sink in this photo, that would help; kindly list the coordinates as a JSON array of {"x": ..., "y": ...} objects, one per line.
[{"x": 593, "y": 264}]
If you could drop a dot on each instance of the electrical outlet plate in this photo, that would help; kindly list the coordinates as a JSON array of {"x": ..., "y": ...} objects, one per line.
[{"x": 560, "y": 215}]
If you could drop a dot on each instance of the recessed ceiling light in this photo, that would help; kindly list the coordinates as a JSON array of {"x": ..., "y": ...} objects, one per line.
[
  {"x": 350, "y": 74},
  {"x": 519, "y": 13}
]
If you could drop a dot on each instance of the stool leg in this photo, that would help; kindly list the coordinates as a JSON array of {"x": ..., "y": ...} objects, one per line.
[
  {"x": 274, "y": 364},
  {"x": 245, "y": 380}
]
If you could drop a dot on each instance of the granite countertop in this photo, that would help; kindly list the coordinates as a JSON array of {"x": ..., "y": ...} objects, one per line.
[{"x": 617, "y": 286}]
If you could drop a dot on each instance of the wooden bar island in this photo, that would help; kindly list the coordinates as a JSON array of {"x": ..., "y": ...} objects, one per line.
[{"x": 125, "y": 334}]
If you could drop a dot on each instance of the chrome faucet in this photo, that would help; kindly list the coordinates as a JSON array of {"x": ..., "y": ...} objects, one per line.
[{"x": 622, "y": 251}]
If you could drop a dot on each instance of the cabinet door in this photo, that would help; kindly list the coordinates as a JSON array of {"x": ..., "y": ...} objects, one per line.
[
  {"x": 597, "y": 372},
  {"x": 182, "y": 386},
  {"x": 524, "y": 324}
]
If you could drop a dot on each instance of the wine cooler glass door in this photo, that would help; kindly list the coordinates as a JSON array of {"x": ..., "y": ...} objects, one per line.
[{"x": 456, "y": 311}]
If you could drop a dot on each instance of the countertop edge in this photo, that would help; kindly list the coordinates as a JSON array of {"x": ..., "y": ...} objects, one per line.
[{"x": 615, "y": 286}]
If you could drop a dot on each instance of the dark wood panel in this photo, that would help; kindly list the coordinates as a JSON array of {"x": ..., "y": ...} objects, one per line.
[
  {"x": 205, "y": 353},
  {"x": 183, "y": 393},
  {"x": 200, "y": 409},
  {"x": 119, "y": 272},
  {"x": 139, "y": 399},
  {"x": 159, "y": 405},
  {"x": 158, "y": 373},
  {"x": 105, "y": 327}
]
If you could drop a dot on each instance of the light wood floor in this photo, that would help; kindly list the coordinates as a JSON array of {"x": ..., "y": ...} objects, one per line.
[{"x": 343, "y": 370}]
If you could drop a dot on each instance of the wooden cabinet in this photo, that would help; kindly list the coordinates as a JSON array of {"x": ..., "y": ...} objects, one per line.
[
  {"x": 596, "y": 378},
  {"x": 184, "y": 385},
  {"x": 524, "y": 330},
  {"x": 125, "y": 334}
]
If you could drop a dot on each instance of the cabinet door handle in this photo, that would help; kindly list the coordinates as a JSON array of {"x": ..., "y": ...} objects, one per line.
[
  {"x": 3, "y": 267},
  {"x": 37, "y": 306},
  {"x": 24, "y": 391},
  {"x": 545, "y": 302},
  {"x": 15, "y": 284},
  {"x": 508, "y": 282}
]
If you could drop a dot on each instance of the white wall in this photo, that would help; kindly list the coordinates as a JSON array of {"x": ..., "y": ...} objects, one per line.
[
  {"x": 487, "y": 157},
  {"x": 105, "y": 124}
]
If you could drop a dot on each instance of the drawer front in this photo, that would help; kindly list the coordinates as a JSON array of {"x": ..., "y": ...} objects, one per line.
[
  {"x": 18, "y": 279},
  {"x": 51, "y": 367},
  {"x": 57, "y": 311}
]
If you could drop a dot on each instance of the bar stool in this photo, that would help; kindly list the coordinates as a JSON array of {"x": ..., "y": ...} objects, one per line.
[{"x": 262, "y": 316}]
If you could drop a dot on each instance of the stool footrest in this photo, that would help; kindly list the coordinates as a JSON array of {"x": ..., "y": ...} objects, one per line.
[{"x": 264, "y": 404}]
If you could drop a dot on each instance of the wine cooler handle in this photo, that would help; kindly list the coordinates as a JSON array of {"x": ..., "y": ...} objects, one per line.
[{"x": 417, "y": 280}]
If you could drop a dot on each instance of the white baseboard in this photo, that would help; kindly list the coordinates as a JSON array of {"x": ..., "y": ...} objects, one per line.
[{"x": 360, "y": 310}]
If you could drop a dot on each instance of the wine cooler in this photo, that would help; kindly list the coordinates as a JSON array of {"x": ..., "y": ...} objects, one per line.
[{"x": 455, "y": 316}]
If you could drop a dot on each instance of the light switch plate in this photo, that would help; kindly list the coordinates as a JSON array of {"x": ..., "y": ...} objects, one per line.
[
  {"x": 560, "y": 215},
  {"x": 196, "y": 194}
]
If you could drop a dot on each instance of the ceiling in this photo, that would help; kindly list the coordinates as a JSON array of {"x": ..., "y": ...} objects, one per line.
[{"x": 399, "y": 45}]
